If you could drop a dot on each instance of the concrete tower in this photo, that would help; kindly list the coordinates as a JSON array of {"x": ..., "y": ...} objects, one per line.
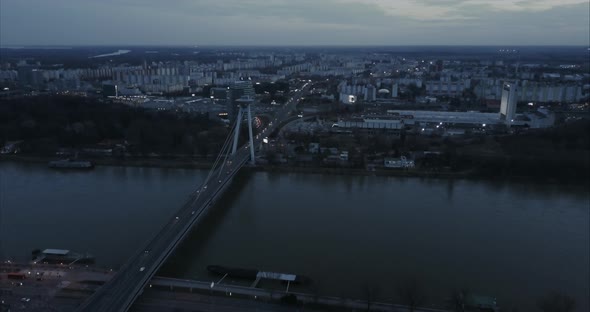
[
  {"x": 244, "y": 108},
  {"x": 508, "y": 103}
]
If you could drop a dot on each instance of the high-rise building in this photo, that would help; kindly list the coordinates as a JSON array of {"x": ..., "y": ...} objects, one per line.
[
  {"x": 370, "y": 93},
  {"x": 109, "y": 89},
  {"x": 508, "y": 102},
  {"x": 220, "y": 94},
  {"x": 29, "y": 76},
  {"x": 439, "y": 66}
]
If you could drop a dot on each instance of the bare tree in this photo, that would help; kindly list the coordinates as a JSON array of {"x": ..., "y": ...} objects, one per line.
[
  {"x": 370, "y": 292},
  {"x": 315, "y": 290},
  {"x": 410, "y": 293},
  {"x": 458, "y": 300},
  {"x": 556, "y": 302}
]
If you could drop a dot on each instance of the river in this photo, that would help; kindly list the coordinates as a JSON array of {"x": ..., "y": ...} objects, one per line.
[{"x": 515, "y": 241}]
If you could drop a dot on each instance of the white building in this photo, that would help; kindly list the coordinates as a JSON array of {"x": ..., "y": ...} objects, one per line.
[
  {"x": 447, "y": 87},
  {"x": 508, "y": 103},
  {"x": 347, "y": 92},
  {"x": 531, "y": 91},
  {"x": 401, "y": 162}
]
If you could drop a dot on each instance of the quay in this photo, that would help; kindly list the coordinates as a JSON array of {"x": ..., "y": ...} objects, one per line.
[{"x": 47, "y": 287}]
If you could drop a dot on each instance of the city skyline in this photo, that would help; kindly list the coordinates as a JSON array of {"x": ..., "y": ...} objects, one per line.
[{"x": 306, "y": 22}]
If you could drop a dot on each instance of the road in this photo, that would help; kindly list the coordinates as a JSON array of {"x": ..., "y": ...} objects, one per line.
[
  {"x": 162, "y": 301},
  {"x": 128, "y": 284},
  {"x": 256, "y": 296}
]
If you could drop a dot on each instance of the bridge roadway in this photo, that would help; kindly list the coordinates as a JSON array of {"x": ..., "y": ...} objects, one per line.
[{"x": 127, "y": 285}]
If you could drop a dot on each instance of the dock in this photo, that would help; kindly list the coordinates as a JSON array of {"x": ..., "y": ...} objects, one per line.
[
  {"x": 64, "y": 288},
  {"x": 289, "y": 278}
]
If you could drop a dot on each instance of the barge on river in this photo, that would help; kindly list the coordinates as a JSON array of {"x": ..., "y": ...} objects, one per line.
[
  {"x": 61, "y": 256},
  {"x": 257, "y": 275}
]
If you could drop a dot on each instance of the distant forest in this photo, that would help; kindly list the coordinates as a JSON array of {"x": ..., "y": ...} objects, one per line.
[
  {"x": 561, "y": 153},
  {"x": 51, "y": 122}
]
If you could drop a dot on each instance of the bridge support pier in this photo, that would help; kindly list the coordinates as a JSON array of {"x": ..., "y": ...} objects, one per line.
[{"x": 244, "y": 104}]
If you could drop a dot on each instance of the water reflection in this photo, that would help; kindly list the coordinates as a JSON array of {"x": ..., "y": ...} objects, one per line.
[
  {"x": 447, "y": 234},
  {"x": 509, "y": 239},
  {"x": 450, "y": 189}
]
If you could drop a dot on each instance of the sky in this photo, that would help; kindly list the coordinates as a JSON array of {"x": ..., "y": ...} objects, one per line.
[{"x": 295, "y": 22}]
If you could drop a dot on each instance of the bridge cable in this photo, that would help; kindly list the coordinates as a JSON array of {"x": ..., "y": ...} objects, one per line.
[{"x": 226, "y": 147}]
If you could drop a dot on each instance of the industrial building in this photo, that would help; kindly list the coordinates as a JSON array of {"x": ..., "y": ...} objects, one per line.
[{"x": 398, "y": 119}]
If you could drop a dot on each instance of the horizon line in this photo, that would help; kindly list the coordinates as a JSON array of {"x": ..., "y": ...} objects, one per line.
[{"x": 288, "y": 45}]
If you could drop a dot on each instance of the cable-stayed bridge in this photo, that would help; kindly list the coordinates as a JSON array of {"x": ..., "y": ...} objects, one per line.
[{"x": 119, "y": 293}]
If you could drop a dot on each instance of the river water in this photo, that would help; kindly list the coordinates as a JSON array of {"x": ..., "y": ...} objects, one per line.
[{"x": 515, "y": 241}]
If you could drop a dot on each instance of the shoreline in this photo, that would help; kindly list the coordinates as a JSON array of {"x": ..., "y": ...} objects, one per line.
[{"x": 188, "y": 163}]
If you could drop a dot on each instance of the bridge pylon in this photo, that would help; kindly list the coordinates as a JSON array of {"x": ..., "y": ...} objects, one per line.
[{"x": 244, "y": 103}]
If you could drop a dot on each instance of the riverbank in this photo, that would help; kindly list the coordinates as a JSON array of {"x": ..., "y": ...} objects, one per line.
[
  {"x": 205, "y": 163},
  {"x": 424, "y": 174},
  {"x": 173, "y": 163}
]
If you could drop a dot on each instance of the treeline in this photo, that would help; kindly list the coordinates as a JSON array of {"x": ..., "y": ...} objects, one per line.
[
  {"x": 45, "y": 124},
  {"x": 270, "y": 91},
  {"x": 272, "y": 87},
  {"x": 561, "y": 153}
]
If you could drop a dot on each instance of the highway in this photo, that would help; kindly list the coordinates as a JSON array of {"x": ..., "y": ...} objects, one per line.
[{"x": 128, "y": 284}]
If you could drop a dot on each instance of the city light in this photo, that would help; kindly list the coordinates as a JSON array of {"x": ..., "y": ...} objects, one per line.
[{"x": 367, "y": 111}]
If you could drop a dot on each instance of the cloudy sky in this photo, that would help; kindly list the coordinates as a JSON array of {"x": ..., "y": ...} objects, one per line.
[{"x": 295, "y": 22}]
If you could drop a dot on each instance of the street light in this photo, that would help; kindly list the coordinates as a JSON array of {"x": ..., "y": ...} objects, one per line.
[{"x": 213, "y": 283}]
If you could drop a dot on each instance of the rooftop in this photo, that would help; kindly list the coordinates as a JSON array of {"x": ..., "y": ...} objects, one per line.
[{"x": 62, "y": 252}]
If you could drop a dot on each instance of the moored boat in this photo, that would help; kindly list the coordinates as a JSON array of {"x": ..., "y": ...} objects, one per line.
[
  {"x": 256, "y": 274},
  {"x": 61, "y": 256}
]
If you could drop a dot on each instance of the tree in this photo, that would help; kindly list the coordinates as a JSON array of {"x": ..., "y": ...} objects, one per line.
[
  {"x": 556, "y": 302},
  {"x": 370, "y": 292},
  {"x": 414, "y": 91},
  {"x": 458, "y": 300},
  {"x": 410, "y": 293}
]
